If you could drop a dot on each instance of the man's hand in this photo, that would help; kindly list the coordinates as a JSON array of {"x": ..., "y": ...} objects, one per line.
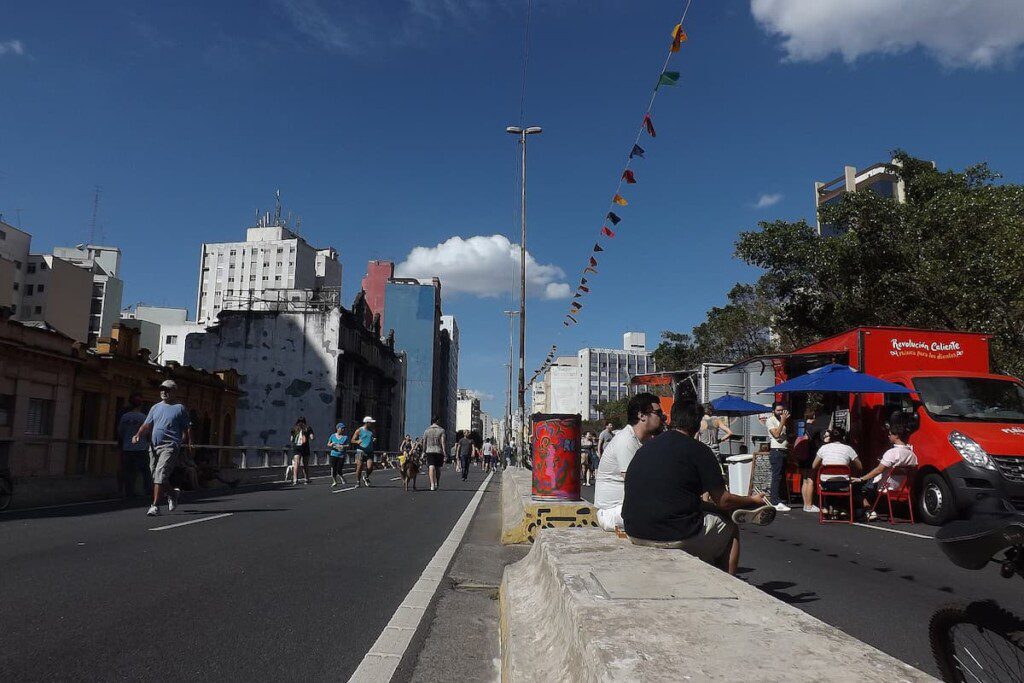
[
  {"x": 761, "y": 498},
  {"x": 135, "y": 439},
  {"x": 785, "y": 415}
]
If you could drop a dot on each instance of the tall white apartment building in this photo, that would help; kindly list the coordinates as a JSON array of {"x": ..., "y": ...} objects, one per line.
[
  {"x": 604, "y": 374},
  {"x": 14, "y": 251},
  {"x": 467, "y": 414},
  {"x": 239, "y": 275}
]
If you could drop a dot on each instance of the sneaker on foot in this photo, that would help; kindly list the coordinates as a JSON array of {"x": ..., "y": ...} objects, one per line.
[
  {"x": 153, "y": 511},
  {"x": 368, "y": 482},
  {"x": 871, "y": 515},
  {"x": 761, "y": 516},
  {"x": 307, "y": 480},
  {"x": 334, "y": 484},
  {"x": 172, "y": 502},
  {"x": 812, "y": 508},
  {"x": 782, "y": 507}
]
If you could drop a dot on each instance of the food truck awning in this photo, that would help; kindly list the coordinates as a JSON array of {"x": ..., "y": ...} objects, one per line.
[
  {"x": 802, "y": 362},
  {"x": 660, "y": 379}
]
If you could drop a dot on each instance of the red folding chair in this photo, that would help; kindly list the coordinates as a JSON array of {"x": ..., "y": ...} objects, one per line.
[
  {"x": 904, "y": 493},
  {"x": 828, "y": 470}
]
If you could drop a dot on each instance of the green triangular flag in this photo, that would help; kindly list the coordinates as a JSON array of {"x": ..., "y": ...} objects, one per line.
[{"x": 668, "y": 78}]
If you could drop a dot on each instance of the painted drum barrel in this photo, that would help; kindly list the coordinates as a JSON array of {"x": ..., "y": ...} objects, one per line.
[{"x": 556, "y": 456}]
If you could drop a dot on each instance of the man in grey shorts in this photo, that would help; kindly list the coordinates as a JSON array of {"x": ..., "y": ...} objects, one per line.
[{"x": 169, "y": 426}]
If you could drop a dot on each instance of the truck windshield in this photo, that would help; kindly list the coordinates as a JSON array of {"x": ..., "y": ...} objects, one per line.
[{"x": 971, "y": 399}]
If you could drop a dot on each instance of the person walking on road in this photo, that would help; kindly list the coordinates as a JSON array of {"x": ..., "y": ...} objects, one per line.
[
  {"x": 363, "y": 441},
  {"x": 336, "y": 446},
  {"x": 588, "y": 444},
  {"x": 404, "y": 451},
  {"x": 604, "y": 437},
  {"x": 464, "y": 453},
  {"x": 713, "y": 430},
  {"x": 301, "y": 437},
  {"x": 168, "y": 427},
  {"x": 778, "y": 433},
  {"x": 134, "y": 456},
  {"x": 434, "y": 451}
]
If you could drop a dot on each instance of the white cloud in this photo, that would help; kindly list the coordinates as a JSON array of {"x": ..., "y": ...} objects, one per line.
[
  {"x": 12, "y": 47},
  {"x": 483, "y": 266},
  {"x": 482, "y": 395},
  {"x": 767, "y": 200},
  {"x": 958, "y": 33}
]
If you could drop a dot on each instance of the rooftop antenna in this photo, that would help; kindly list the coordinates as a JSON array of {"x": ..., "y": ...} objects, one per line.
[
  {"x": 17, "y": 212},
  {"x": 298, "y": 225},
  {"x": 95, "y": 211},
  {"x": 277, "y": 207}
]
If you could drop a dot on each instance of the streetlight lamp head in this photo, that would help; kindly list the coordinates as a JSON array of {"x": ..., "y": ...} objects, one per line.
[
  {"x": 514, "y": 130},
  {"x": 533, "y": 129}
]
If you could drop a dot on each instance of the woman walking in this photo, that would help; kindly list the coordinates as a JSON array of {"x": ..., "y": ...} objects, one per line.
[
  {"x": 587, "y": 444},
  {"x": 712, "y": 430},
  {"x": 301, "y": 436},
  {"x": 336, "y": 447}
]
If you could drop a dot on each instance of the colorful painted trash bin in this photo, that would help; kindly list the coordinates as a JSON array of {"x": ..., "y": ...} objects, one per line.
[{"x": 556, "y": 456}]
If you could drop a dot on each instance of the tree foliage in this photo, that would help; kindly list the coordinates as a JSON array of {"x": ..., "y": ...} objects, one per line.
[{"x": 950, "y": 257}]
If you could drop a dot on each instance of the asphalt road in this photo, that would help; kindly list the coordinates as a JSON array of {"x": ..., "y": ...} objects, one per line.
[{"x": 295, "y": 583}]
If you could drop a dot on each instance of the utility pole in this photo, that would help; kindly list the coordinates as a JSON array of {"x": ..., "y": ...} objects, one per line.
[{"x": 522, "y": 133}]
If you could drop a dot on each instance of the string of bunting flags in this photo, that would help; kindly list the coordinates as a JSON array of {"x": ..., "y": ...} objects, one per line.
[{"x": 612, "y": 219}]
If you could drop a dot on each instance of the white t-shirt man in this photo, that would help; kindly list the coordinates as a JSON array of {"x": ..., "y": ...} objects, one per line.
[
  {"x": 609, "y": 487},
  {"x": 773, "y": 423},
  {"x": 897, "y": 456},
  {"x": 835, "y": 453}
]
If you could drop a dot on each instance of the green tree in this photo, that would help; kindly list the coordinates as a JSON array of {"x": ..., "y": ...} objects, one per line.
[
  {"x": 612, "y": 410},
  {"x": 950, "y": 257},
  {"x": 676, "y": 351}
]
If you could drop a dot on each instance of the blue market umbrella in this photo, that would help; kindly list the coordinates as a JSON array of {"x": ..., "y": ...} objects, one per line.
[
  {"x": 734, "y": 406},
  {"x": 837, "y": 378}
]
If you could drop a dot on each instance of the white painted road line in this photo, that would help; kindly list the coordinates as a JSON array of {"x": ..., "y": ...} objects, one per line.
[
  {"x": 350, "y": 488},
  {"x": 66, "y": 505},
  {"x": 192, "y": 521},
  {"x": 395, "y": 478},
  {"x": 894, "y": 531},
  {"x": 380, "y": 663}
]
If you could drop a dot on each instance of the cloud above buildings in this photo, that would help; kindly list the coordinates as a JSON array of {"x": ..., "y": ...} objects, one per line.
[
  {"x": 481, "y": 395},
  {"x": 957, "y": 33},
  {"x": 767, "y": 200},
  {"x": 484, "y": 266},
  {"x": 12, "y": 47}
]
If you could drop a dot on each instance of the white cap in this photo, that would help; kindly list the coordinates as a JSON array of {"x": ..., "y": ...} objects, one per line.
[
  {"x": 168, "y": 384},
  {"x": 368, "y": 419}
]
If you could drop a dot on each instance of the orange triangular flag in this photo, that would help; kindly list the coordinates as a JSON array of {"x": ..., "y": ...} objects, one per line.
[
  {"x": 678, "y": 37},
  {"x": 620, "y": 200}
]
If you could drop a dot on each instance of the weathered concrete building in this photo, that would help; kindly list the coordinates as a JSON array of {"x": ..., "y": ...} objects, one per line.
[{"x": 323, "y": 364}]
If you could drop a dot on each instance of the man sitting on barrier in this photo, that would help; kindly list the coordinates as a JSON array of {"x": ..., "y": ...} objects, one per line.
[
  {"x": 663, "y": 506},
  {"x": 643, "y": 412}
]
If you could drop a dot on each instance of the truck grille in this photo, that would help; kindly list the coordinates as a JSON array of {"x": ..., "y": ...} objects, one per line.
[{"x": 1011, "y": 467}]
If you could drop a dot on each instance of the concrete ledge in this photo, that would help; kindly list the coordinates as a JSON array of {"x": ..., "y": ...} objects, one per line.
[
  {"x": 588, "y": 606},
  {"x": 522, "y": 517}
]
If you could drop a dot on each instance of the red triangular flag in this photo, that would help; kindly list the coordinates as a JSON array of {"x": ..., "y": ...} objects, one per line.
[
  {"x": 584, "y": 289},
  {"x": 649, "y": 125},
  {"x": 577, "y": 305},
  {"x": 593, "y": 262},
  {"x": 608, "y": 233},
  {"x": 577, "y": 295},
  {"x": 590, "y": 269},
  {"x": 628, "y": 176}
]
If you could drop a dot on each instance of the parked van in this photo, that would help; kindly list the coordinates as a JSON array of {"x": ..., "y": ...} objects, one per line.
[{"x": 967, "y": 423}]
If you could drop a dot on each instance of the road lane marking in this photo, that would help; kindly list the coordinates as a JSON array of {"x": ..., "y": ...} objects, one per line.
[
  {"x": 894, "y": 531},
  {"x": 66, "y": 505},
  {"x": 395, "y": 478},
  {"x": 381, "y": 662},
  {"x": 350, "y": 488},
  {"x": 192, "y": 521}
]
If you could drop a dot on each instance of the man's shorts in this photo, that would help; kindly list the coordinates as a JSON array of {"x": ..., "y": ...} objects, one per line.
[
  {"x": 363, "y": 456},
  {"x": 435, "y": 460},
  {"x": 710, "y": 544},
  {"x": 163, "y": 458}
]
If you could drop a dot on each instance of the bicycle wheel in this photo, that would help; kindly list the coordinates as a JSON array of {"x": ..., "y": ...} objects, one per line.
[
  {"x": 6, "y": 492},
  {"x": 977, "y": 643}
]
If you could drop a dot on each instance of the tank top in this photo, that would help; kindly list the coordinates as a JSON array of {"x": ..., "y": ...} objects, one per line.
[{"x": 708, "y": 434}]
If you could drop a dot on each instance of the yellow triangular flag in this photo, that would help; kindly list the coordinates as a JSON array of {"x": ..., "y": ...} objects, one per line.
[
  {"x": 678, "y": 37},
  {"x": 620, "y": 200}
]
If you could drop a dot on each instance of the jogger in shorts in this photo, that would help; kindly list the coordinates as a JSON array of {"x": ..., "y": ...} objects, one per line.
[
  {"x": 169, "y": 427},
  {"x": 363, "y": 441}
]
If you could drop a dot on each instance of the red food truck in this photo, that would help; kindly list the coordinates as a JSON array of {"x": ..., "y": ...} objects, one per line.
[{"x": 967, "y": 423}]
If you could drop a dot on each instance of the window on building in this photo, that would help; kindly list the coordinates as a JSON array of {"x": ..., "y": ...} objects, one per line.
[
  {"x": 6, "y": 410},
  {"x": 280, "y": 250},
  {"x": 31, "y": 268},
  {"x": 30, "y": 290},
  {"x": 231, "y": 279},
  {"x": 231, "y": 292},
  {"x": 266, "y": 264},
  {"x": 171, "y": 339},
  {"x": 40, "y": 417},
  {"x": 252, "y": 278},
  {"x": 233, "y": 252},
  {"x": 206, "y": 270},
  {"x": 17, "y": 265},
  {"x": 277, "y": 278},
  {"x": 39, "y": 310},
  {"x": 3, "y": 235},
  {"x": 280, "y": 264},
  {"x": 16, "y": 287},
  {"x": 266, "y": 277}
]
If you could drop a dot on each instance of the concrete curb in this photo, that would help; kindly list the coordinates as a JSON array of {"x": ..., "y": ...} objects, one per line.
[
  {"x": 587, "y": 606},
  {"x": 522, "y": 517}
]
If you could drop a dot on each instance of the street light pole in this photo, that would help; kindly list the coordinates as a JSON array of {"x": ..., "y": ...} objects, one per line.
[
  {"x": 522, "y": 133},
  {"x": 510, "y": 365}
]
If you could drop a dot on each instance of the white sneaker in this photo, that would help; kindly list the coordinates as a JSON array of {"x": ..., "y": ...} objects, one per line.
[
  {"x": 813, "y": 508},
  {"x": 782, "y": 507},
  {"x": 154, "y": 511},
  {"x": 171, "y": 502}
]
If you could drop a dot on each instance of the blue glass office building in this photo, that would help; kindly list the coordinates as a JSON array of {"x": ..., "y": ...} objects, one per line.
[{"x": 414, "y": 313}]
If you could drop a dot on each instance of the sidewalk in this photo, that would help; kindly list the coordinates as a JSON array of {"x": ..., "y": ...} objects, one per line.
[{"x": 459, "y": 639}]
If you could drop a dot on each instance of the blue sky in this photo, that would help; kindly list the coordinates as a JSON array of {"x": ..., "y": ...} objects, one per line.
[{"x": 382, "y": 122}]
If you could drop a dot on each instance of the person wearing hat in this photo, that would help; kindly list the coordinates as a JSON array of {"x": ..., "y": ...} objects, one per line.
[
  {"x": 336, "y": 445},
  {"x": 168, "y": 426},
  {"x": 363, "y": 441}
]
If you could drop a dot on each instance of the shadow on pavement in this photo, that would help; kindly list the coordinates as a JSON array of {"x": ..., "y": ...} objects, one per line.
[{"x": 776, "y": 590}]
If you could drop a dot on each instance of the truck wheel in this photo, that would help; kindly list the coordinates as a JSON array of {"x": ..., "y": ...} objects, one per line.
[{"x": 936, "y": 500}]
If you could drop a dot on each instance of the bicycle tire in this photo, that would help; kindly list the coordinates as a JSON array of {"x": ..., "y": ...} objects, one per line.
[
  {"x": 6, "y": 492},
  {"x": 977, "y": 642}
]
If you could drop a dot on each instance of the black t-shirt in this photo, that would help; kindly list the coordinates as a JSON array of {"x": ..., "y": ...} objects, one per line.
[
  {"x": 663, "y": 487},
  {"x": 465, "y": 447},
  {"x": 815, "y": 435}
]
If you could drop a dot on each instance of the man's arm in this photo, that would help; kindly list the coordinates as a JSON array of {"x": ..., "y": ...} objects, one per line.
[
  {"x": 777, "y": 431},
  {"x": 729, "y": 501},
  {"x": 879, "y": 468},
  {"x": 722, "y": 425},
  {"x": 144, "y": 431}
]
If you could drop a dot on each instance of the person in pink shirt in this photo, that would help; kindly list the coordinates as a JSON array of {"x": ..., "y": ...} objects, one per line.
[{"x": 899, "y": 455}]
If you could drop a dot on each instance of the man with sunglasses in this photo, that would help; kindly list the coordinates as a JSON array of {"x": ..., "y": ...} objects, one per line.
[{"x": 646, "y": 419}]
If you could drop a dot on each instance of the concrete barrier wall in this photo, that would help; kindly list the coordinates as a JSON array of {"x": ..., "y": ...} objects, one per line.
[
  {"x": 522, "y": 517},
  {"x": 585, "y": 605}
]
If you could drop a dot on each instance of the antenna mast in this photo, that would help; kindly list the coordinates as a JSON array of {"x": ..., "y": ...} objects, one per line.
[{"x": 95, "y": 212}]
